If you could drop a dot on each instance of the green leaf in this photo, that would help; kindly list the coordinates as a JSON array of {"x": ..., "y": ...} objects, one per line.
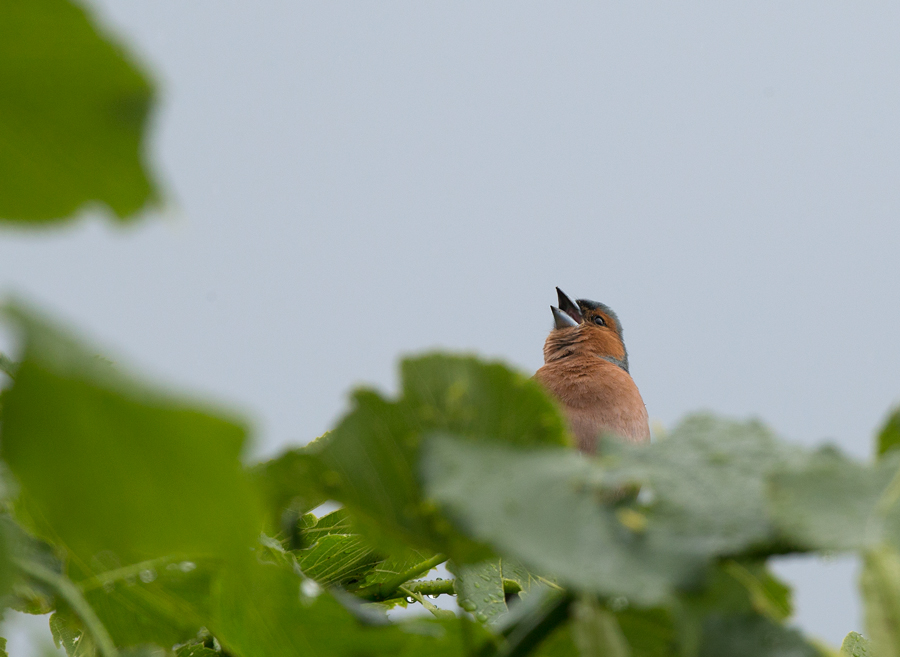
[
  {"x": 649, "y": 632},
  {"x": 288, "y": 485},
  {"x": 596, "y": 631},
  {"x": 3, "y": 652},
  {"x": 370, "y": 459},
  {"x": 569, "y": 516},
  {"x": 828, "y": 501},
  {"x": 479, "y": 589},
  {"x": 751, "y": 635},
  {"x": 73, "y": 115},
  {"x": 338, "y": 559},
  {"x": 856, "y": 645},
  {"x": 117, "y": 472},
  {"x": 268, "y": 611},
  {"x": 889, "y": 436},
  {"x": 880, "y": 585}
]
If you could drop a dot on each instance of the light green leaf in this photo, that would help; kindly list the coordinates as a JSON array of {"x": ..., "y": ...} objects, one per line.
[
  {"x": 370, "y": 459},
  {"x": 479, "y": 589},
  {"x": 889, "y": 436},
  {"x": 856, "y": 645},
  {"x": 73, "y": 114},
  {"x": 569, "y": 516},
  {"x": 338, "y": 558},
  {"x": 829, "y": 501},
  {"x": 880, "y": 584},
  {"x": 117, "y": 472}
]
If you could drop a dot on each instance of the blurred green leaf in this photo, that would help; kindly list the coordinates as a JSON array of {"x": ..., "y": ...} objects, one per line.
[
  {"x": 751, "y": 635},
  {"x": 3, "y": 652},
  {"x": 856, "y": 645},
  {"x": 596, "y": 631},
  {"x": 880, "y": 585},
  {"x": 567, "y": 515},
  {"x": 370, "y": 459},
  {"x": 268, "y": 611},
  {"x": 889, "y": 436},
  {"x": 116, "y": 472},
  {"x": 829, "y": 501},
  {"x": 649, "y": 632},
  {"x": 73, "y": 114},
  {"x": 288, "y": 485}
]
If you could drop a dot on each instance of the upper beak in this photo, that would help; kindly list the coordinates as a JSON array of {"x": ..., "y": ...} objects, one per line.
[
  {"x": 571, "y": 313},
  {"x": 568, "y": 306}
]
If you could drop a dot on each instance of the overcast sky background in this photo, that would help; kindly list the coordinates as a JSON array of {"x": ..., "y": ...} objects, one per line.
[{"x": 349, "y": 182}]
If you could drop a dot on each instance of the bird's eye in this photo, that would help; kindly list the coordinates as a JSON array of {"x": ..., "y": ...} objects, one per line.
[{"x": 599, "y": 321}]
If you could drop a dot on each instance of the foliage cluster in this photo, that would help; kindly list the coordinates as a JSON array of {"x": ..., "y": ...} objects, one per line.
[{"x": 130, "y": 517}]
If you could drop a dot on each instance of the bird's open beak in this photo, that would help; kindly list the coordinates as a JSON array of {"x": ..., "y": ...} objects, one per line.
[{"x": 568, "y": 314}]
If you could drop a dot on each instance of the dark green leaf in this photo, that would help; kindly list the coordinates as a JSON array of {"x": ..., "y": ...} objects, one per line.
[
  {"x": 115, "y": 472},
  {"x": 889, "y": 436},
  {"x": 370, "y": 460},
  {"x": 596, "y": 631},
  {"x": 649, "y": 632},
  {"x": 751, "y": 635},
  {"x": 73, "y": 114}
]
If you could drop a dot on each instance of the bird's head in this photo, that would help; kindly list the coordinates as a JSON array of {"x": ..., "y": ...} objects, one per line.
[{"x": 585, "y": 327}]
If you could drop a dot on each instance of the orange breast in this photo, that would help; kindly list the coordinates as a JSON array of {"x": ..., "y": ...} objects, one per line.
[{"x": 597, "y": 397}]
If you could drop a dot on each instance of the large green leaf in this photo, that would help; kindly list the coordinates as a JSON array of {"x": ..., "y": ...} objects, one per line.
[
  {"x": 370, "y": 459},
  {"x": 268, "y": 611},
  {"x": 117, "y": 472},
  {"x": 73, "y": 114},
  {"x": 572, "y": 517},
  {"x": 829, "y": 501}
]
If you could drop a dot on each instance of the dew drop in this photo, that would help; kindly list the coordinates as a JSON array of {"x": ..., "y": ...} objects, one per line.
[
  {"x": 477, "y": 585},
  {"x": 468, "y": 605},
  {"x": 410, "y": 600},
  {"x": 480, "y": 616},
  {"x": 147, "y": 575},
  {"x": 310, "y": 588},
  {"x": 187, "y": 566}
]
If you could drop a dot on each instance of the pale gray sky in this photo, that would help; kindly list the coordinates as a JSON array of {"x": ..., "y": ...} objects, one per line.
[{"x": 354, "y": 181}]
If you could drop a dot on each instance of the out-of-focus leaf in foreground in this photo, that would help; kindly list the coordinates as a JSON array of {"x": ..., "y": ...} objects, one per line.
[
  {"x": 889, "y": 436},
  {"x": 73, "y": 114},
  {"x": 114, "y": 471},
  {"x": 829, "y": 501},
  {"x": 370, "y": 460},
  {"x": 272, "y": 612},
  {"x": 567, "y": 515}
]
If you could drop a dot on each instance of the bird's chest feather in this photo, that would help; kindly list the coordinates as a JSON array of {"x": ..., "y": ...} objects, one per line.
[{"x": 597, "y": 396}]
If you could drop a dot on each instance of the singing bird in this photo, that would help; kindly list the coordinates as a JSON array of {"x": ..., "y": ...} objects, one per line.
[{"x": 586, "y": 369}]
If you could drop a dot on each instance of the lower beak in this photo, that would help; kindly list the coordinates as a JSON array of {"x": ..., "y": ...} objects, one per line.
[{"x": 562, "y": 320}]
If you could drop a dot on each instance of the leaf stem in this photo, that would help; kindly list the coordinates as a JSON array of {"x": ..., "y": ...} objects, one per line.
[
  {"x": 70, "y": 593},
  {"x": 387, "y": 589}
]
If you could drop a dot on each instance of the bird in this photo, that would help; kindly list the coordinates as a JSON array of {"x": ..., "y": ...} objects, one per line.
[{"x": 586, "y": 370}]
